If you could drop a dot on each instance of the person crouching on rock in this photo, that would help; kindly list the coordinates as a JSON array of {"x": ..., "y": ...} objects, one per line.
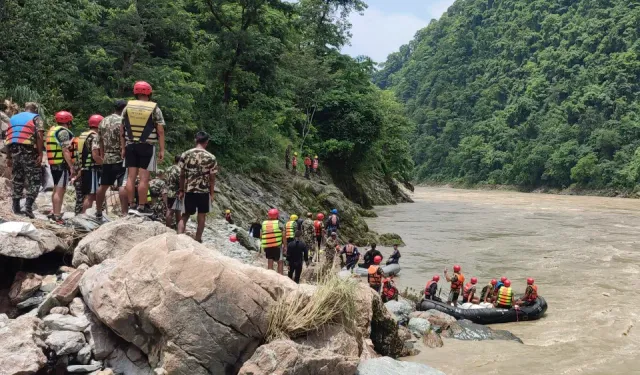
[
  {"x": 272, "y": 239},
  {"x": 297, "y": 252},
  {"x": 352, "y": 255},
  {"x": 375, "y": 274},
  {"x": 431, "y": 289},
  {"x": 389, "y": 290}
]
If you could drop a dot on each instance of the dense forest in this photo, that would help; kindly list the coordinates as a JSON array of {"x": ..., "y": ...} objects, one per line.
[
  {"x": 525, "y": 92},
  {"x": 258, "y": 75}
]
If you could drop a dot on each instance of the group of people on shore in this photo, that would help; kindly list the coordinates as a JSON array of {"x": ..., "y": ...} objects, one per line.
[
  {"x": 498, "y": 293},
  {"x": 310, "y": 164},
  {"x": 118, "y": 152}
]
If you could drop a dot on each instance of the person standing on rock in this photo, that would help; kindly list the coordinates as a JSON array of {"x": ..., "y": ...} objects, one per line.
[
  {"x": 25, "y": 144},
  {"x": 291, "y": 227},
  {"x": 318, "y": 225},
  {"x": 60, "y": 159},
  {"x": 227, "y": 216},
  {"x": 107, "y": 153},
  {"x": 309, "y": 232},
  {"x": 254, "y": 231},
  {"x": 142, "y": 129},
  {"x": 297, "y": 253},
  {"x": 172, "y": 175},
  {"x": 294, "y": 163},
  {"x": 89, "y": 174},
  {"x": 331, "y": 248},
  {"x": 272, "y": 239},
  {"x": 198, "y": 169},
  {"x": 314, "y": 166},
  {"x": 307, "y": 166}
]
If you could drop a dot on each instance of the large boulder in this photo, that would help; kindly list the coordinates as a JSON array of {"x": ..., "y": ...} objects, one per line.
[
  {"x": 419, "y": 326},
  {"x": 435, "y": 317},
  {"x": 24, "y": 285},
  {"x": 188, "y": 308},
  {"x": 285, "y": 357},
  {"x": 114, "y": 239},
  {"x": 334, "y": 338},
  {"x": 41, "y": 242},
  {"x": 389, "y": 366},
  {"x": 400, "y": 309},
  {"x": 467, "y": 330},
  {"x": 20, "y": 346}
]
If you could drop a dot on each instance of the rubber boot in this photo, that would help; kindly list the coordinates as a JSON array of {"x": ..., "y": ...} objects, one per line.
[
  {"x": 16, "y": 206},
  {"x": 28, "y": 209}
]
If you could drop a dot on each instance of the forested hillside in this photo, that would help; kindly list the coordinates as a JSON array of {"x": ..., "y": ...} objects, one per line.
[
  {"x": 526, "y": 92},
  {"x": 256, "y": 74}
]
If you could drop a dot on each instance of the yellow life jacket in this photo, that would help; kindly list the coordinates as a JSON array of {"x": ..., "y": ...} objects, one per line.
[
  {"x": 290, "y": 229},
  {"x": 138, "y": 122},
  {"x": 505, "y": 296},
  {"x": 54, "y": 150},
  {"x": 83, "y": 155},
  {"x": 271, "y": 234}
]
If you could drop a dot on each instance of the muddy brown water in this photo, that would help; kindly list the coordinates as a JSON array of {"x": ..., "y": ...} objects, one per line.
[{"x": 584, "y": 253}]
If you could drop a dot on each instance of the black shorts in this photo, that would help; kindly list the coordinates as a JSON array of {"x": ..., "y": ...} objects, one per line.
[
  {"x": 272, "y": 253},
  {"x": 90, "y": 181},
  {"x": 60, "y": 177},
  {"x": 112, "y": 174},
  {"x": 196, "y": 202},
  {"x": 140, "y": 155},
  {"x": 454, "y": 296},
  {"x": 319, "y": 239},
  {"x": 170, "y": 202}
]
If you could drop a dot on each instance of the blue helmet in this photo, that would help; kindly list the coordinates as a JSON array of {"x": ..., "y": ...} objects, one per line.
[{"x": 334, "y": 211}]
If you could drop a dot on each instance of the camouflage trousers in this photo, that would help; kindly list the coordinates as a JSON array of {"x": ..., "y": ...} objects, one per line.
[
  {"x": 77, "y": 184},
  {"x": 26, "y": 172}
]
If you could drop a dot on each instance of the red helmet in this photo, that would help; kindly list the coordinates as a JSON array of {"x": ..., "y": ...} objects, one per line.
[
  {"x": 494, "y": 282},
  {"x": 503, "y": 279},
  {"x": 474, "y": 280},
  {"x": 95, "y": 120},
  {"x": 142, "y": 87},
  {"x": 377, "y": 259},
  {"x": 529, "y": 281},
  {"x": 507, "y": 283},
  {"x": 274, "y": 213},
  {"x": 456, "y": 268},
  {"x": 64, "y": 117},
  {"x": 320, "y": 216},
  {"x": 436, "y": 278}
]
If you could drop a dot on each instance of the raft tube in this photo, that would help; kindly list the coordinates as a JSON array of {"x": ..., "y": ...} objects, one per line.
[
  {"x": 390, "y": 270},
  {"x": 489, "y": 316}
]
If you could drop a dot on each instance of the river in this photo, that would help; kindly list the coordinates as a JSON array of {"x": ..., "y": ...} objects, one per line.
[{"x": 582, "y": 252}]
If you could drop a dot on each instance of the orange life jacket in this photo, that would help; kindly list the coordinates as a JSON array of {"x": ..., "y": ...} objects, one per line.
[
  {"x": 317, "y": 224},
  {"x": 307, "y": 162},
  {"x": 295, "y": 161},
  {"x": 271, "y": 234},
  {"x": 531, "y": 297},
  {"x": 374, "y": 276},
  {"x": 388, "y": 289},
  {"x": 456, "y": 285},
  {"x": 467, "y": 289},
  {"x": 315, "y": 163},
  {"x": 350, "y": 249},
  {"x": 426, "y": 288}
]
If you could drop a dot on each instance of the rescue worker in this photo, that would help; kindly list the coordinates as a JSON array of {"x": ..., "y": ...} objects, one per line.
[
  {"x": 487, "y": 291},
  {"x": 107, "y": 153},
  {"x": 142, "y": 129},
  {"x": 457, "y": 281},
  {"x": 530, "y": 294},
  {"x": 158, "y": 195},
  {"x": 395, "y": 256},
  {"x": 309, "y": 232},
  {"x": 318, "y": 225},
  {"x": 294, "y": 163},
  {"x": 469, "y": 291},
  {"x": 375, "y": 274},
  {"x": 254, "y": 232},
  {"x": 9, "y": 109},
  {"x": 88, "y": 173},
  {"x": 331, "y": 247},
  {"x": 505, "y": 296},
  {"x": 389, "y": 290},
  {"x": 272, "y": 239},
  {"x": 198, "y": 168},
  {"x": 60, "y": 159},
  {"x": 499, "y": 285},
  {"x": 172, "y": 175},
  {"x": 307, "y": 166},
  {"x": 227, "y": 216},
  {"x": 333, "y": 222},
  {"x": 369, "y": 255},
  {"x": 431, "y": 289},
  {"x": 352, "y": 254},
  {"x": 314, "y": 166},
  {"x": 297, "y": 253},
  {"x": 25, "y": 144},
  {"x": 290, "y": 227}
]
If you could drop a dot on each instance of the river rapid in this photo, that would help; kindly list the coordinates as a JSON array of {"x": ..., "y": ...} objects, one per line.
[{"x": 582, "y": 251}]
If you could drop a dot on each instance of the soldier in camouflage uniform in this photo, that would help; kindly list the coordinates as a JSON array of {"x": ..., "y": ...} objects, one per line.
[
  {"x": 198, "y": 169},
  {"x": 330, "y": 251},
  {"x": 158, "y": 193},
  {"x": 25, "y": 157},
  {"x": 309, "y": 233},
  {"x": 172, "y": 178}
]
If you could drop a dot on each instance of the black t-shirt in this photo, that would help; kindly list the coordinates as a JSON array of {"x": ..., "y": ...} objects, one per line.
[
  {"x": 369, "y": 255},
  {"x": 255, "y": 230},
  {"x": 297, "y": 251}
]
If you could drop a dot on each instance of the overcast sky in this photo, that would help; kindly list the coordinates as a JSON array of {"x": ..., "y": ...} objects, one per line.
[{"x": 388, "y": 24}]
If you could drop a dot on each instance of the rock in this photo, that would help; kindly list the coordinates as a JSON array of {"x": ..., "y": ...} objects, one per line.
[
  {"x": 57, "y": 322},
  {"x": 390, "y": 239},
  {"x": 389, "y": 366},
  {"x": 400, "y": 310},
  {"x": 4, "y": 320},
  {"x": 467, "y": 330},
  {"x": 69, "y": 288},
  {"x": 84, "y": 355},
  {"x": 100, "y": 338},
  {"x": 27, "y": 248},
  {"x": 106, "y": 371},
  {"x": 333, "y": 338},
  {"x": 368, "y": 351},
  {"x": 31, "y": 302},
  {"x": 49, "y": 283},
  {"x": 432, "y": 340},
  {"x": 83, "y": 368},
  {"x": 384, "y": 330},
  {"x": 20, "y": 346},
  {"x": 419, "y": 326},
  {"x": 288, "y": 358},
  {"x": 59, "y": 310},
  {"x": 65, "y": 342},
  {"x": 435, "y": 317},
  {"x": 114, "y": 239},
  {"x": 129, "y": 360},
  {"x": 404, "y": 333},
  {"x": 245, "y": 240},
  {"x": 146, "y": 295},
  {"x": 24, "y": 285},
  {"x": 77, "y": 307},
  {"x": 66, "y": 269}
]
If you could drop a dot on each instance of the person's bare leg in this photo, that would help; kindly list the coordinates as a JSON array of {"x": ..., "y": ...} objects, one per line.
[
  {"x": 143, "y": 186},
  {"x": 269, "y": 264},
  {"x": 201, "y": 221},
  {"x": 124, "y": 200},
  {"x": 281, "y": 267},
  {"x": 88, "y": 202},
  {"x": 167, "y": 218},
  {"x": 56, "y": 200},
  {"x": 131, "y": 185},
  {"x": 100, "y": 197},
  {"x": 182, "y": 224}
]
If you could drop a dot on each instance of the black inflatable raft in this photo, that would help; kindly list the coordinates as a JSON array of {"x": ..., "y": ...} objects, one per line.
[{"x": 489, "y": 316}]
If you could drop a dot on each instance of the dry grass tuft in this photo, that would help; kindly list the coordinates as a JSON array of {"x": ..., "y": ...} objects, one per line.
[{"x": 296, "y": 314}]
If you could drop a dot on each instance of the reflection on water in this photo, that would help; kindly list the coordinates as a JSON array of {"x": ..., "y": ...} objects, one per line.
[{"x": 582, "y": 251}]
